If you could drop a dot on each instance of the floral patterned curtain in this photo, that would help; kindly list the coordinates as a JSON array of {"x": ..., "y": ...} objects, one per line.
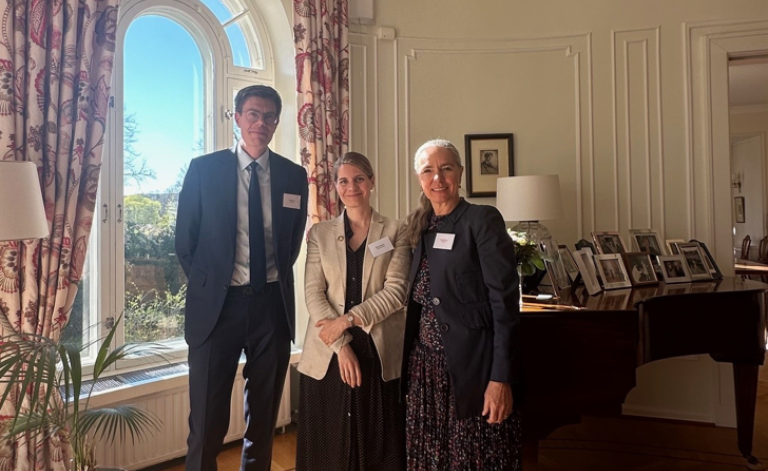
[
  {"x": 55, "y": 74},
  {"x": 320, "y": 35}
]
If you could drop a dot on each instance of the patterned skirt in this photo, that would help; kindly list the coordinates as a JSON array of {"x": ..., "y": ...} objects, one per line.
[
  {"x": 351, "y": 429},
  {"x": 436, "y": 440}
]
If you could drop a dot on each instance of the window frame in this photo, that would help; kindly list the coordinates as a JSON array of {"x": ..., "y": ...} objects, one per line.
[{"x": 219, "y": 76}]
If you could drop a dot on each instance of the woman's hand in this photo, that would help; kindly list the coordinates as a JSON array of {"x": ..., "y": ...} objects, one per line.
[
  {"x": 331, "y": 329},
  {"x": 349, "y": 367},
  {"x": 498, "y": 402}
]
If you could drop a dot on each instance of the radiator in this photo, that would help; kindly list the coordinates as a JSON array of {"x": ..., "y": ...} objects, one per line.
[{"x": 168, "y": 399}]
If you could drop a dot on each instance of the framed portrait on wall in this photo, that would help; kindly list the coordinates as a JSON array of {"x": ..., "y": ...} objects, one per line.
[
  {"x": 738, "y": 209},
  {"x": 488, "y": 157}
]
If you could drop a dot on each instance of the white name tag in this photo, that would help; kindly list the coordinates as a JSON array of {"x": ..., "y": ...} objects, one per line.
[
  {"x": 380, "y": 247},
  {"x": 291, "y": 201},
  {"x": 444, "y": 241}
]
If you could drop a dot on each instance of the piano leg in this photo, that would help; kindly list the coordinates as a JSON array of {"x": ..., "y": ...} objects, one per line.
[
  {"x": 745, "y": 385},
  {"x": 531, "y": 455}
]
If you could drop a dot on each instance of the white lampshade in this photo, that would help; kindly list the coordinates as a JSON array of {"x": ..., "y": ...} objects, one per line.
[
  {"x": 22, "y": 215},
  {"x": 529, "y": 198}
]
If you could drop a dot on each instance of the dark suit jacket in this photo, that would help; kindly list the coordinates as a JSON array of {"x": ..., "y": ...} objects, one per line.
[
  {"x": 475, "y": 293},
  {"x": 206, "y": 229}
]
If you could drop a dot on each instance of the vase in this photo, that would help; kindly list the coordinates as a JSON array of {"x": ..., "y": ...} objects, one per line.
[{"x": 520, "y": 285}]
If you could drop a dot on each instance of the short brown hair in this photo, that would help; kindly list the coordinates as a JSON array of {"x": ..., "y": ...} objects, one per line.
[
  {"x": 261, "y": 91},
  {"x": 353, "y": 158}
]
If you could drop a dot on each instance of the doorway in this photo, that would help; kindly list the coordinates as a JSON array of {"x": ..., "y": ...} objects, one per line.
[{"x": 748, "y": 107}]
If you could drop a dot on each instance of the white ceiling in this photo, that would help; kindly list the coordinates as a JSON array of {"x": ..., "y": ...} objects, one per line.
[{"x": 748, "y": 82}]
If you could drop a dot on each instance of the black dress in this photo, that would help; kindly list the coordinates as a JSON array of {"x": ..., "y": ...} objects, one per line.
[{"x": 351, "y": 429}]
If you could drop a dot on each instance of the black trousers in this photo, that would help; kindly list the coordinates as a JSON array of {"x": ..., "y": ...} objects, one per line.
[{"x": 254, "y": 322}]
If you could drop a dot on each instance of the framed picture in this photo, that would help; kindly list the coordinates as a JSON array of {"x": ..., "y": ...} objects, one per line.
[
  {"x": 640, "y": 268},
  {"x": 489, "y": 156},
  {"x": 608, "y": 243},
  {"x": 646, "y": 240},
  {"x": 674, "y": 268},
  {"x": 583, "y": 259},
  {"x": 612, "y": 271},
  {"x": 738, "y": 208},
  {"x": 568, "y": 263},
  {"x": 584, "y": 243},
  {"x": 695, "y": 257},
  {"x": 672, "y": 246},
  {"x": 714, "y": 270}
]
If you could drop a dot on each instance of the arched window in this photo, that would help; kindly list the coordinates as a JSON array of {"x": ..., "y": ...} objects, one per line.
[{"x": 177, "y": 67}]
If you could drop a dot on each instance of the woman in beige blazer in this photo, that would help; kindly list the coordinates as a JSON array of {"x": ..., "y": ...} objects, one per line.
[{"x": 351, "y": 416}]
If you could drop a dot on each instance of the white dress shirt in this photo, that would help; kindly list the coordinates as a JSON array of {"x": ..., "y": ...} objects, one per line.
[{"x": 242, "y": 273}]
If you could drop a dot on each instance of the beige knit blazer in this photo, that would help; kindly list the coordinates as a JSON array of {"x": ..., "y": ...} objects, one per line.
[{"x": 385, "y": 287}]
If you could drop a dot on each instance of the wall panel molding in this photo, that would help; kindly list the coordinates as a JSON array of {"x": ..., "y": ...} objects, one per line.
[
  {"x": 576, "y": 48},
  {"x": 364, "y": 101},
  {"x": 637, "y": 130}
]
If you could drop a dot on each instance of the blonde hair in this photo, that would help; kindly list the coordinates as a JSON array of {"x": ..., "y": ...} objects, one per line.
[{"x": 418, "y": 220}]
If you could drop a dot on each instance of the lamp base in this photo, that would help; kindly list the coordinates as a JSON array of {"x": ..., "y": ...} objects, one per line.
[{"x": 533, "y": 230}]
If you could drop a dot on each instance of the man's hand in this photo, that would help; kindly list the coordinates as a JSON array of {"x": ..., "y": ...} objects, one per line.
[
  {"x": 349, "y": 367},
  {"x": 331, "y": 329},
  {"x": 498, "y": 402}
]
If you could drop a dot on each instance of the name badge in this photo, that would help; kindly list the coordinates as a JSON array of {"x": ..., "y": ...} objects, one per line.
[
  {"x": 291, "y": 201},
  {"x": 444, "y": 241},
  {"x": 381, "y": 247}
]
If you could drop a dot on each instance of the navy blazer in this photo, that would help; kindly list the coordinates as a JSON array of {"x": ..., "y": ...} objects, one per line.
[
  {"x": 206, "y": 233},
  {"x": 475, "y": 292}
]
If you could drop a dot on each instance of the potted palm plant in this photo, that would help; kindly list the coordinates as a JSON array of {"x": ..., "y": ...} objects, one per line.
[{"x": 52, "y": 376}]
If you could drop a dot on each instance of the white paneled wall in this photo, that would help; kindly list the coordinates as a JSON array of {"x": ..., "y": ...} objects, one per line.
[{"x": 626, "y": 101}]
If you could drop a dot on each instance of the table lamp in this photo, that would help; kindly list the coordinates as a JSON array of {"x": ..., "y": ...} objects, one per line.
[
  {"x": 22, "y": 214},
  {"x": 528, "y": 199}
]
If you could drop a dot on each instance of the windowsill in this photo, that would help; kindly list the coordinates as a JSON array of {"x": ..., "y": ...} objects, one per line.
[{"x": 131, "y": 386}]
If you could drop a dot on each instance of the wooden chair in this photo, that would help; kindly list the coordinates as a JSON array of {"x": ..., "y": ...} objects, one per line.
[
  {"x": 745, "y": 244},
  {"x": 762, "y": 251}
]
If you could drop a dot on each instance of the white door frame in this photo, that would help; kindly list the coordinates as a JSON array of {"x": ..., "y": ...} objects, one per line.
[{"x": 708, "y": 48}]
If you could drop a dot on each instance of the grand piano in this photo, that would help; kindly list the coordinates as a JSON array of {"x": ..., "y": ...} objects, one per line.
[{"x": 582, "y": 361}]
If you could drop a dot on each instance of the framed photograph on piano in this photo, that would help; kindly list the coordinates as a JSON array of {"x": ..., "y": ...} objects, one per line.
[
  {"x": 674, "y": 268},
  {"x": 695, "y": 259},
  {"x": 569, "y": 264},
  {"x": 672, "y": 246},
  {"x": 612, "y": 271},
  {"x": 583, "y": 259},
  {"x": 640, "y": 268},
  {"x": 714, "y": 270},
  {"x": 609, "y": 242},
  {"x": 646, "y": 240}
]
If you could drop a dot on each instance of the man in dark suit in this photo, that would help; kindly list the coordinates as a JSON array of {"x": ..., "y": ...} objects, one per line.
[{"x": 241, "y": 219}]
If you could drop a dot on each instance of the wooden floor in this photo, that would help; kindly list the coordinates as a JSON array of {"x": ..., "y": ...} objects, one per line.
[{"x": 597, "y": 444}]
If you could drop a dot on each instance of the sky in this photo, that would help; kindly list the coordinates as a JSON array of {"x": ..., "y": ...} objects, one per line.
[{"x": 163, "y": 88}]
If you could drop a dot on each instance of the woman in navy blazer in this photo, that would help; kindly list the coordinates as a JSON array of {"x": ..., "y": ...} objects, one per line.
[{"x": 462, "y": 339}]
